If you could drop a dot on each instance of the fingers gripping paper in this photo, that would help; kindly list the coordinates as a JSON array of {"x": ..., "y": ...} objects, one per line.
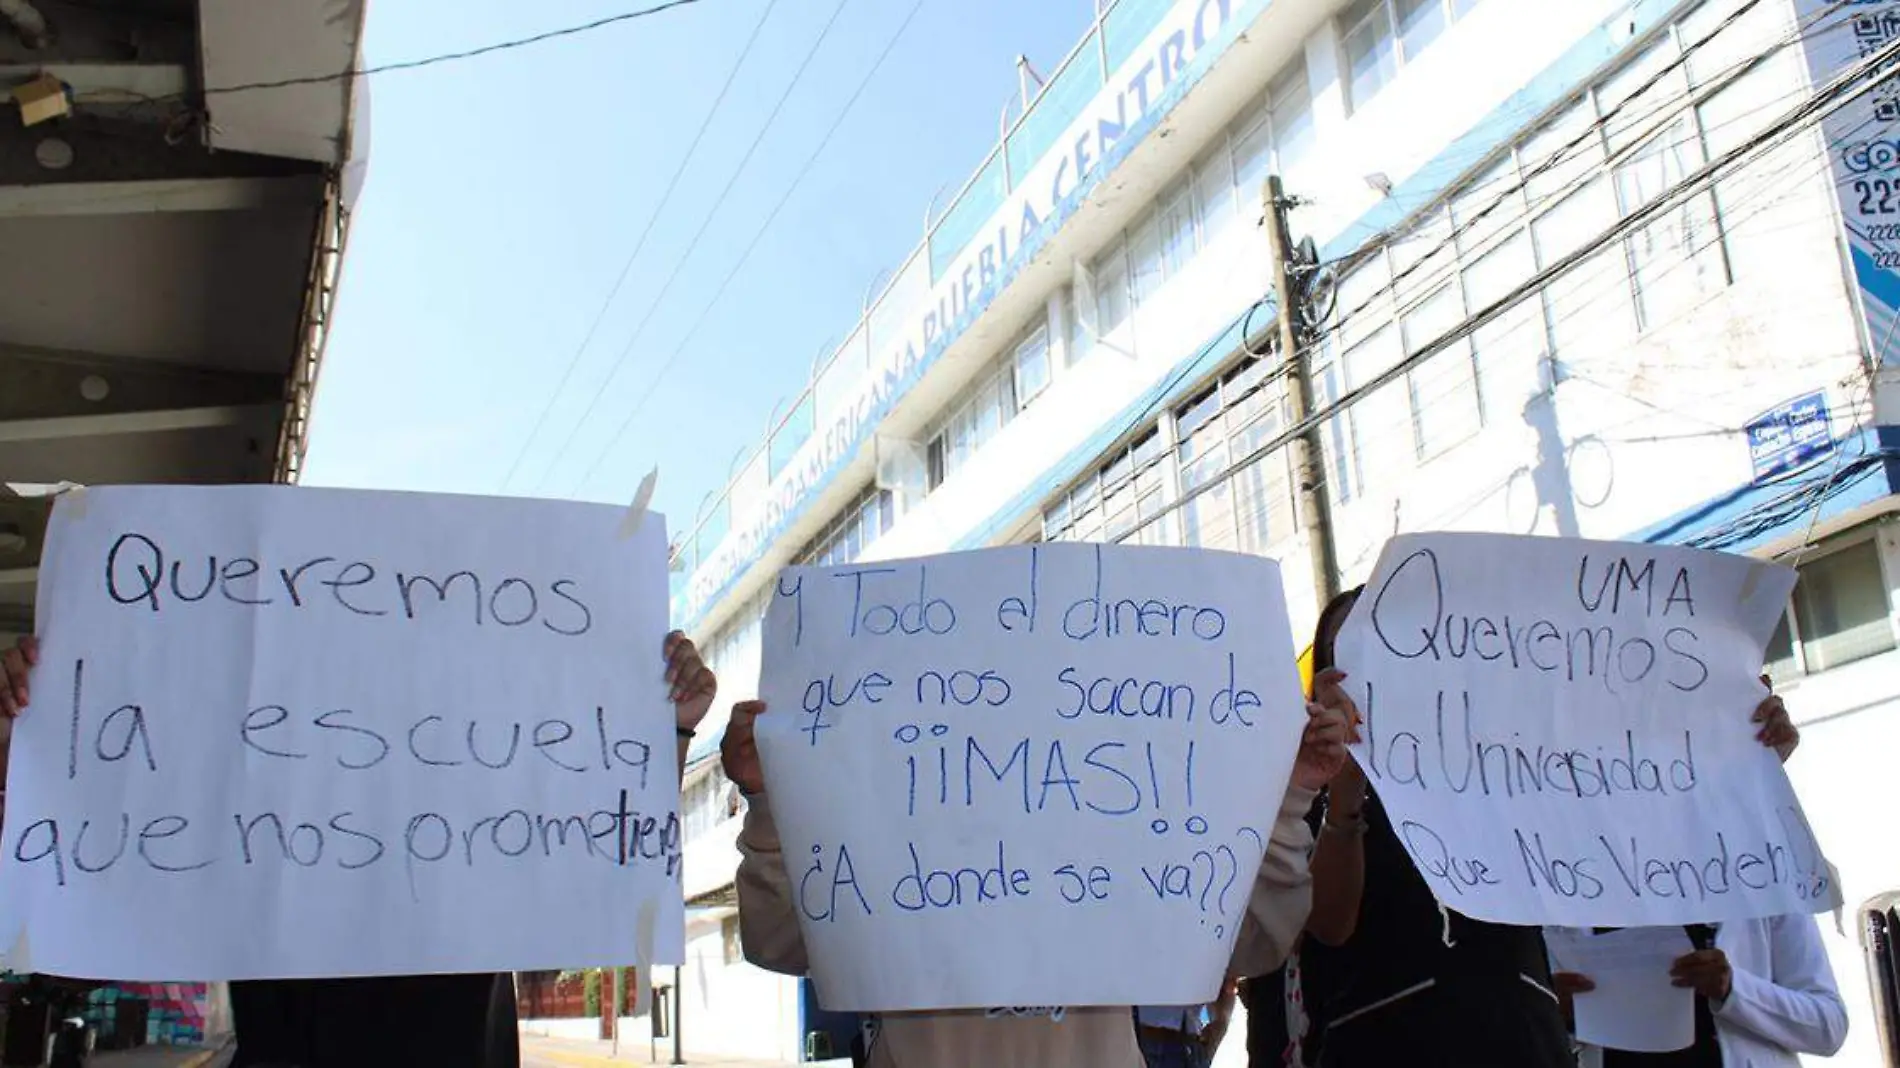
[
  {"x": 284, "y": 733},
  {"x": 1027, "y": 776},
  {"x": 1561, "y": 730}
]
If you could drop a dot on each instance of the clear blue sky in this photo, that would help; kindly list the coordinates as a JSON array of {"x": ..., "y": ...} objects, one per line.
[{"x": 506, "y": 192}]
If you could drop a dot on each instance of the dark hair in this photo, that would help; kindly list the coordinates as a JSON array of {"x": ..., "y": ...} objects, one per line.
[{"x": 1331, "y": 617}]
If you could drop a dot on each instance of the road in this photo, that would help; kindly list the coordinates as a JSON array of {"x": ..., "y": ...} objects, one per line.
[{"x": 537, "y": 1052}]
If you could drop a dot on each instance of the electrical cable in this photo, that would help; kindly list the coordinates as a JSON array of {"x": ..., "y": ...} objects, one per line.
[
  {"x": 639, "y": 245},
  {"x": 1822, "y": 103},
  {"x": 745, "y": 257},
  {"x": 693, "y": 243},
  {"x": 451, "y": 57},
  {"x": 1674, "y": 108},
  {"x": 1602, "y": 123}
]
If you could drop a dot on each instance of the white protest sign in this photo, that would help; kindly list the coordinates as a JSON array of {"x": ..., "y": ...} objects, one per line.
[
  {"x": 291, "y": 732},
  {"x": 1560, "y": 730},
  {"x": 1033, "y": 776}
]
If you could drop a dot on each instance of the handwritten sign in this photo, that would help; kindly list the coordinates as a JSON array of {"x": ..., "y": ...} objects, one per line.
[
  {"x": 289, "y": 732},
  {"x": 1027, "y": 776},
  {"x": 1561, "y": 730}
]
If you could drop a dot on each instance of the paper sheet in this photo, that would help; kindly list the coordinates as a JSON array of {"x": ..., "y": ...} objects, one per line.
[
  {"x": 287, "y": 732},
  {"x": 1561, "y": 730},
  {"x": 1633, "y": 1007},
  {"x": 1034, "y": 776}
]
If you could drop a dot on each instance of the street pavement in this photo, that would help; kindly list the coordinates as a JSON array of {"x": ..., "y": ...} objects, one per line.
[{"x": 541, "y": 1052}]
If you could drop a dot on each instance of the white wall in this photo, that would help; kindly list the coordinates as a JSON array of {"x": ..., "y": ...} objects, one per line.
[
  {"x": 736, "y": 1010},
  {"x": 1845, "y": 774}
]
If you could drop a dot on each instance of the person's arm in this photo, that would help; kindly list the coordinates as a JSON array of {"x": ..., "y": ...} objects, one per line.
[
  {"x": 1797, "y": 1005},
  {"x": 1339, "y": 859},
  {"x": 1282, "y": 891},
  {"x": 768, "y": 923},
  {"x": 691, "y": 686}
]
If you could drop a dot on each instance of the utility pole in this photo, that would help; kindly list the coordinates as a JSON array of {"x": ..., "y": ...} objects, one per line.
[
  {"x": 679, "y": 1014},
  {"x": 620, "y": 999},
  {"x": 1316, "y": 513}
]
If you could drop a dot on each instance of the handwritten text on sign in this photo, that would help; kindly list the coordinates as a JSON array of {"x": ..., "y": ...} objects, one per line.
[
  {"x": 1561, "y": 730},
  {"x": 287, "y": 732},
  {"x": 1027, "y": 776}
]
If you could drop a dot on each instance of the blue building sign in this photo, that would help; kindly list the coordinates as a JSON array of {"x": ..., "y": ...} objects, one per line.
[{"x": 1790, "y": 435}]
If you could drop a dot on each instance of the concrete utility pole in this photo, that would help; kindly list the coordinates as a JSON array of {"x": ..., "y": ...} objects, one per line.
[
  {"x": 620, "y": 999},
  {"x": 1316, "y": 513},
  {"x": 679, "y": 1001}
]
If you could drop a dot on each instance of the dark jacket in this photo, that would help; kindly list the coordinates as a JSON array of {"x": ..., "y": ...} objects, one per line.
[{"x": 459, "y": 1020}]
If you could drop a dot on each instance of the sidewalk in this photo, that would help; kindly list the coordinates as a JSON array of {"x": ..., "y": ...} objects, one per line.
[
  {"x": 541, "y": 1052},
  {"x": 161, "y": 1057}
]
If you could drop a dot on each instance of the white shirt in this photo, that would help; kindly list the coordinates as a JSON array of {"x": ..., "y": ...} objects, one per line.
[{"x": 1782, "y": 997}]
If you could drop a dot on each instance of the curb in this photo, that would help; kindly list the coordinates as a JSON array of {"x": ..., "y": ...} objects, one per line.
[{"x": 206, "y": 1057}]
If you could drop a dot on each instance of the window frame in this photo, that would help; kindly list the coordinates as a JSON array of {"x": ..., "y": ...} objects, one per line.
[{"x": 1798, "y": 664}]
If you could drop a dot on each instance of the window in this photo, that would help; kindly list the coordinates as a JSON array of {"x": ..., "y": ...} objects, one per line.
[
  {"x": 1214, "y": 190},
  {"x": 984, "y": 410},
  {"x": 1588, "y": 306},
  {"x": 861, "y": 523},
  {"x": 1510, "y": 348},
  {"x": 1420, "y": 23},
  {"x": 1444, "y": 388},
  {"x": 1293, "y": 130},
  {"x": 1253, "y": 153},
  {"x": 1031, "y": 360},
  {"x": 1839, "y": 613},
  {"x": 1372, "y": 59},
  {"x": 1119, "y": 502},
  {"x": 1674, "y": 261},
  {"x": 1207, "y": 520},
  {"x": 1113, "y": 302},
  {"x": 1381, "y": 36},
  {"x": 1383, "y": 444},
  {"x": 1250, "y": 508},
  {"x": 1178, "y": 243},
  {"x": 1335, "y": 433},
  {"x": 1144, "y": 256}
]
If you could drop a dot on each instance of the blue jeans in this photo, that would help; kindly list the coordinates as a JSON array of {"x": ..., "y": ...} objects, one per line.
[{"x": 1177, "y": 1050}]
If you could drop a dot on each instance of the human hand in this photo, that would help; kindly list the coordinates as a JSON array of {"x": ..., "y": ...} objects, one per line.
[
  {"x": 1777, "y": 731},
  {"x": 691, "y": 684},
  {"x": 1348, "y": 780},
  {"x": 739, "y": 750},
  {"x": 15, "y": 663},
  {"x": 1322, "y": 747},
  {"x": 1706, "y": 971},
  {"x": 1567, "y": 986}
]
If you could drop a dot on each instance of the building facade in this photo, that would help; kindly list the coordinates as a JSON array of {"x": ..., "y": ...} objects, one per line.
[{"x": 1566, "y": 283}]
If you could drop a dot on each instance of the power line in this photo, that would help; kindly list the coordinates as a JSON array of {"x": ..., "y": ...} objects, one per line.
[
  {"x": 1597, "y": 127},
  {"x": 1665, "y": 114},
  {"x": 692, "y": 243},
  {"x": 654, "y": 384},
  {"x": 452, "y": 57},
  {"x": 639, "y": 244},
  {"x": 1819, "y": 105}
]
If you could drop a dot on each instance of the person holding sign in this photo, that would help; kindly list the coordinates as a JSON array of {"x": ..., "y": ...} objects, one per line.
[
  {"x": 1052, "y": 1037},
  {"x": 1407, "y": 980},
  {"x": 462, "y": 1020},
  {"x": 1763, "y": 993}
]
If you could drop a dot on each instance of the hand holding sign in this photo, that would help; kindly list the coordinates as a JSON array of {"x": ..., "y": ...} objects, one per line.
[
  {"x": 322, "y": 733},
  {"x": 1568, "y": 746},
  {"x": 1051, "y": 772}
]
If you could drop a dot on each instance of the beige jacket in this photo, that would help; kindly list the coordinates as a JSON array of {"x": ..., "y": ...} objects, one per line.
[{"x": 1076, "y": 1038}]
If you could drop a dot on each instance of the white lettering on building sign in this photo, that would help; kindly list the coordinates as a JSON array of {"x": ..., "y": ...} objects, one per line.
[
  {"x": 1864, "y": 145},
  {"x": 1173, "y": 58}
]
